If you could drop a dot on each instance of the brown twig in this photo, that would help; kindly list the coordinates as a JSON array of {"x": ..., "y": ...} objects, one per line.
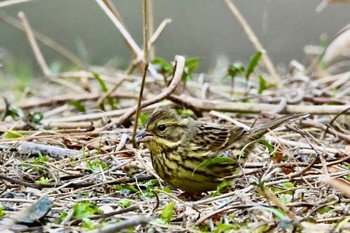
[{"x": 146, "y": 60}]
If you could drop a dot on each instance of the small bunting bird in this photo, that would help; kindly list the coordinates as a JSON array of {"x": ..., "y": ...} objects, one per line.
[{"x": 180, "y": 147}]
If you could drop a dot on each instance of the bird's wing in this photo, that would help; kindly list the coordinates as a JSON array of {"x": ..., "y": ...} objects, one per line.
[{"x": 216, "y": 138}]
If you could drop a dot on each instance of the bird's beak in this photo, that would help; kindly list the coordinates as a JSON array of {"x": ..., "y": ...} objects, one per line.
[{"x": 144, "y": 136}]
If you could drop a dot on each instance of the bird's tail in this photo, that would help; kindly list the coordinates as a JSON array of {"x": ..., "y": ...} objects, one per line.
[
  {"x": 264, "y": 128},
  {"x": 256, "y": 133}
]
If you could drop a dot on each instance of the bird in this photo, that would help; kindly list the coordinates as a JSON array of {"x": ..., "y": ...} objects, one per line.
[{"x": 179, "y": 147}]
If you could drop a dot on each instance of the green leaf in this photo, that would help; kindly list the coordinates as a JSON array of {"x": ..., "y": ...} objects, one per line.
[
  {"x": 262, "y": 84},
  {"x": 283, "y": 199},
  {"x": 342, "y": 224},
  {"x": 234, "y": 70},
  {"x": 13, "y": 134},
  {"x": 222, "y": 227},
  {"x": 325, "y": 209},
  {"x": 143, "y": 118},
  {"x": 185, "y": 112},
  {"x": 100, "y": 81},
  {"x": 126, "y": 187},
  {"x": 149, "y": 185},
  {"x": 262, "y": 141},
  {"x": 78, "y": 105},
  {"x": 215, "y": 160},
  {"x": 62, "y": 216},
  {"x": 89, "y": 224},
  {"x": 168, "y": 212},
  {"x": 124, "y": 203},
  {"x": 35, "y": 117},
  {"x": 222, "y": 185},
  {"x": 203, "y": 227},
  {"x": 2, "y": 213},
  {"x": 192, "y": 64},
  {"x": 104, "y": 89},
  {"x": 43, "y": 180},
  {"x": 85, "y": 210},
  {"x": 96, "y": 165},
  {"x": 14, "y": 113},
  {"x": 288, "y": 185},
  {"x": 41, "y": 159},
  {"x": 163, "y": 66},
  {"x": 254, "y": 61}
]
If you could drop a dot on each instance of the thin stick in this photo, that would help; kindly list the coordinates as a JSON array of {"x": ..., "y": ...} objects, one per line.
[
  {"x": 252, "y": 37},
  {"x": 139, "y": 105},
  {"x": 145, "y": 44},
  {"x": 37, "y": 53},
  {"x": 151, "y": 27}
]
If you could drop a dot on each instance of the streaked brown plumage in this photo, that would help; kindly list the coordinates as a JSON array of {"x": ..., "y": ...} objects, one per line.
[{"x": 178, "y": 146}]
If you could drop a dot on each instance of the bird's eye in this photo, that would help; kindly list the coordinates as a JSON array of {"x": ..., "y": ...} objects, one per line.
[{"x": 162, "y": 127}]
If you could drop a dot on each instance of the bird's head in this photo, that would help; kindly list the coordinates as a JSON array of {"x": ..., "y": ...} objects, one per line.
[{"x": 163, "y": 128}]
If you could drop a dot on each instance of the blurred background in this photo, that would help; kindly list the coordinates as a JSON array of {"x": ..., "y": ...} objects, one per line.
[{"x": 199, "y": 28}]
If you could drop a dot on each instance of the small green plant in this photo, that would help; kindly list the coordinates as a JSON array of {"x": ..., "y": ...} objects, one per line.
[
  {"x": 13, "y": 112},
  {"x": 85, "y": 210},
  {"x": 97, "y": 165},
  {"x": 254, "y": 61},
  {"x": 143, "y": 118},
  {"x": 35, "y": 117},
  {"x": 224, "y": 184},
  {"x": 104, "y": 90},
  {"x": 43, "y": 180},
  {"x": 41, "y": 160},
  {"x": 124, "y": 203},
  {"x": 2, "y": 213},
  {"x": 167, "y": 212},
  {"x": 238, "y": 69},
  {"x": 166, "y": 69},
  {"x": 78, "y": 105},
  {"x": 184, "y": 112},
  {"x": 126, "y": 189},
  {"x": 222, "y": 227},
  {"x": 62, "y": 217}
]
